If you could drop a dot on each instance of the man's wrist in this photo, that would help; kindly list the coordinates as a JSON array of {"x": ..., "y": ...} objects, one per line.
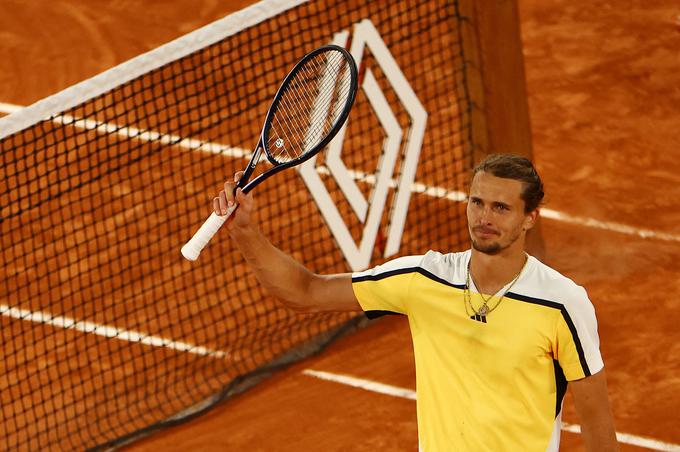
[{"x": 248, "y": 232}]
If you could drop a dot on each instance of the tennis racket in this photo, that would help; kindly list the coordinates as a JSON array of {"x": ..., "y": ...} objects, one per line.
[{"x": 309, "y": 108}]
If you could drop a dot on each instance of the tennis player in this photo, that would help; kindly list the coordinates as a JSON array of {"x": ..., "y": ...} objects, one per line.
[{"x": 497, "y": 334}]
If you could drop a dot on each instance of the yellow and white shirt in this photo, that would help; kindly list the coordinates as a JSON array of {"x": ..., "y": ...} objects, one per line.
[{"x": 494, "y": 383}]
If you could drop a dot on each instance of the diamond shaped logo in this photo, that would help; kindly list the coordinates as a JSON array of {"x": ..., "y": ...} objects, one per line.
[{"x": 370, "y": 212}]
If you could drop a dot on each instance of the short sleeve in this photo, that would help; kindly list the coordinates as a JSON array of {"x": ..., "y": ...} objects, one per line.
[
  {"x": 577, "y": 345},
  {"x": 385, "y": 289}
]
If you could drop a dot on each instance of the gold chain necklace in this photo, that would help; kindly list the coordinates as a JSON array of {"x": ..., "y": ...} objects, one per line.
[{"x": 485, "y": 310}]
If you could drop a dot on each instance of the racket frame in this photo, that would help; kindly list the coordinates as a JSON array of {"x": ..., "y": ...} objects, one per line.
[{"x": 264, "y": 134}]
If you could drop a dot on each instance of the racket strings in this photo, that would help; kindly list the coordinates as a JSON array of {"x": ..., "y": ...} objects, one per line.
[
  {"x": 322, "y": 117},
  {"x": 309, "y": 106},
  {"x": 300, "y": 101},
  {"x": 302, "y": 85},
  {"x": 332, "y": 85}
]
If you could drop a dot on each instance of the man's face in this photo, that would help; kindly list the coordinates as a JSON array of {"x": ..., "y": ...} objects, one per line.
[{"x": 495, "y": 213}]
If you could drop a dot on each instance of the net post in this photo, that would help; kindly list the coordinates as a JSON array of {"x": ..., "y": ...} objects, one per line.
[{"x": 499, "y": 110}]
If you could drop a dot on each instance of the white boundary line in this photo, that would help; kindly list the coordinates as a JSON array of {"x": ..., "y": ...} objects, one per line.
[
  {"x": 404, "y": 393},
  {"x": 360, "y": 383},
  {"x": 66, "y": 323},
  {"x": 609, "y": 226}
]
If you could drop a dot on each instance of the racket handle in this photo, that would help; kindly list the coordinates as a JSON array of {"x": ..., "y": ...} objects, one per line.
[{"x": 206, "y": 232}]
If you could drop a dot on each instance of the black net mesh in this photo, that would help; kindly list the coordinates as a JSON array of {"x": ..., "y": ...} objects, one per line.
[{"x": 106, "y": 330}]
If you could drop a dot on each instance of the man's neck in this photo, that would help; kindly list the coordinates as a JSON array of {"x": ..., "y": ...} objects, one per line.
[{"x": 491, "y": 272}]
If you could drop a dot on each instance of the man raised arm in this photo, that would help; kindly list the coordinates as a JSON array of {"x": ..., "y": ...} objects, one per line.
[{"x": 284, "y": 277}]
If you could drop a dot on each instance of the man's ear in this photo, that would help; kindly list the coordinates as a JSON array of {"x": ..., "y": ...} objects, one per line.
[{"x": 530, "y": 219}]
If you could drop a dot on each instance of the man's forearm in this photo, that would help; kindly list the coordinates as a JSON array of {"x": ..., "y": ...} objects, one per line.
[
  {"x": 599, "y": 438},
  {"x": 280, "y": 274},
  {"x": 592, "y": 406}
]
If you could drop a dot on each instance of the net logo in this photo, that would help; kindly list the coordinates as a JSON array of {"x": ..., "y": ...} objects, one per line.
[{"x": 408, "y": 142}]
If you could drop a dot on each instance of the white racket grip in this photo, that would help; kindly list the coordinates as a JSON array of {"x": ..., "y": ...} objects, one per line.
[{"x": 206, "y": 232}]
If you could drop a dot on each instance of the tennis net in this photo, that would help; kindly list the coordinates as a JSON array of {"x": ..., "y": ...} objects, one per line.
[{"x": 107, "y": 332}]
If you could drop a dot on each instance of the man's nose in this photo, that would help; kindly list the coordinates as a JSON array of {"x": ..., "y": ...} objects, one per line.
[{"x": 485, "y": 216}]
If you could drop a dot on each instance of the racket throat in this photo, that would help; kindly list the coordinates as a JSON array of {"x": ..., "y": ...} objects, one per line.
[
  {"x": 251, "y": 167},
  {"x": 255, "y": 159}
]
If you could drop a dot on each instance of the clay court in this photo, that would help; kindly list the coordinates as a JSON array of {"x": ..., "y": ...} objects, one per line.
[{"x": 603, "y": 86}]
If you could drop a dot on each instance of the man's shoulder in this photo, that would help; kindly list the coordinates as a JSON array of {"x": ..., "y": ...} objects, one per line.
[
  {"x": 546, "y": 283},
  {"x": 448, "y": 267},
  {"x": 403, "y": 264},
  {"x": 454, "y": 259},
  {"x": 434, "y": 264}
]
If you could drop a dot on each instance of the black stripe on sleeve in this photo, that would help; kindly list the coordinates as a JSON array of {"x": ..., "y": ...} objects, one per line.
[
  {"x": 387, "y": 274},
  {"x": 376, "y": 313},
  {"x": 567, "y": 319},
  {"x": 403, "y": 271}
]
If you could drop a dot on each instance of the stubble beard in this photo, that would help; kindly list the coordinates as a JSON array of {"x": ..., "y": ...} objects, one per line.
[{"x": 493, "y": 248}]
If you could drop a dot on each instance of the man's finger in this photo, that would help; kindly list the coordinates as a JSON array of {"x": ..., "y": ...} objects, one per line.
[
  {"x": 229, "y": 191},
  {"x": 223, "y": 202},
  {"x": 242, "y": 198}
]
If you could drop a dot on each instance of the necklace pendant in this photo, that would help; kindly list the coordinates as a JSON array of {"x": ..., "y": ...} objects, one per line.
[{"x": 483, "y": 311}]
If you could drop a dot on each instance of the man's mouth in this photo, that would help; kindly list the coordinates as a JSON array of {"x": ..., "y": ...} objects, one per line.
[{"x": 484, "y": 232}]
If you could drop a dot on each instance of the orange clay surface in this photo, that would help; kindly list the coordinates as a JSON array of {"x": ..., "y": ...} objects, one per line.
[{"x": 604, "y": 90}]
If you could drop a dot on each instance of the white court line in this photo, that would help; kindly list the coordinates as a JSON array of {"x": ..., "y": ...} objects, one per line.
[
  {"x": 394, "y": 391},
  {"x": 609, "y": 226},
  {"x": 142, "y": 135},
  {"x": 137, "y": 337},
  {"x": 368, "y": 385},
  {"x": 156, "y": 137}
]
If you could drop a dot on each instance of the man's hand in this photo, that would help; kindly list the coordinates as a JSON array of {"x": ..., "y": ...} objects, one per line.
[{"x": 240, "y": 219}]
